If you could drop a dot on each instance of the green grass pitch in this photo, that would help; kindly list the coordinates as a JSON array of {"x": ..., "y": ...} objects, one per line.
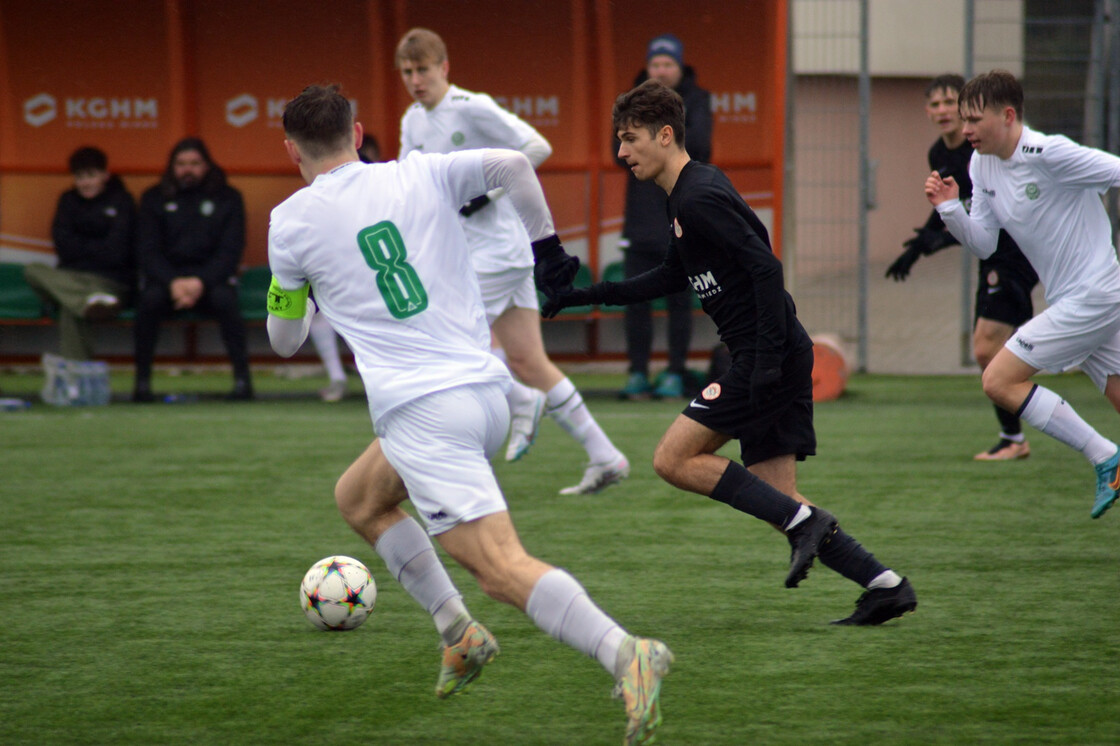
[{"x": 151, "y": 557}]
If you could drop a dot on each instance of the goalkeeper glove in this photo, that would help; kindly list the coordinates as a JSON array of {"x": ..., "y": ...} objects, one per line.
[
  {"x": 474, "y": 205},
  {"x": 900, "y": 269},
  {"x": 553, "y": 269},
  {"x": 565, "y": 299}
]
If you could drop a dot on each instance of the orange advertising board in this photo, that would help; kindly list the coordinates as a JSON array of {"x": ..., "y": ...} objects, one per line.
[
  {"x": 732, "y": 49},
  {"x": 248, "y": 64},
  {"x": 134, "y": 76},
  {"x": 77, "y": 73}
]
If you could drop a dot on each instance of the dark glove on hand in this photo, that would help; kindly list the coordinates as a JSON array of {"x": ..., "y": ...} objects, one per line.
[
  {"x": 553, "y": 269},
  {"x": 474, "y": 205},
  {"x": 934, "y": 240},
  {"x": 900, "y": 269},
  {"x": 565, "y": 299},
  {"x": 766, "y": 374}
]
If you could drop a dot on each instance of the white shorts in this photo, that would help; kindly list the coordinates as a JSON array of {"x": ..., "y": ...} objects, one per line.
[
  {"x": 440, "y": 444},
  {"x": 511, "y": 288},
  {"x": 1069, "y": 334}
]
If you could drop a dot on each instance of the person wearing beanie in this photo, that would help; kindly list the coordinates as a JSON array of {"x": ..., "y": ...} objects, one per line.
[
  {"x": 645, "y": 240},
  {"x": 92, "y": 232}
]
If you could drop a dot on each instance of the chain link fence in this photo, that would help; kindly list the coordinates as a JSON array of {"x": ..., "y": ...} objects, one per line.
[{"x": 858, "y": 138}]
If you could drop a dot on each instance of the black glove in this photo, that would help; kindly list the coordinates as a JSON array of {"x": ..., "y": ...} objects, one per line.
[
  {"x": 766, "y": 374},
  {"x": 553, "y": 269},
  {"x": 565, "y": 299},
  {"x": 900, "y": 269},
  {"x": 474, "y": 205}
]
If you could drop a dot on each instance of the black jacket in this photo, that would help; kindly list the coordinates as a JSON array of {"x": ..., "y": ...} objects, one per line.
[
  {"x": 95, "y": 235},
  {"x": 196, "y": 232},
  {"x": 645, "y": 225}
]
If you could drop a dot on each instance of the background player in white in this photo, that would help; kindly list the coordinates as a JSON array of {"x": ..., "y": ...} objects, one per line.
[
  {"x": 445, "y": 119},
  {"x": 381, "y": 247},
  {"x": 1045, "y": 191}
]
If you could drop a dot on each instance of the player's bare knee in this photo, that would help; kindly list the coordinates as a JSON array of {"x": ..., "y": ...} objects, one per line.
[
  {"x": 668, "y": 465},
  {"x": 995, "y": 387}
]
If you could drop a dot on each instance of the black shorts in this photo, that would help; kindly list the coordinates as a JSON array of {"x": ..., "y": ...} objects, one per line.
[
  {"x": 1006, "y": 280},
  {"x": 782, "y": 425}
]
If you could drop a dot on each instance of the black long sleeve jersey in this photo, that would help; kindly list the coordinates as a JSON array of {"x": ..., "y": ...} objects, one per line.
[{"x": 720, "y": 247}]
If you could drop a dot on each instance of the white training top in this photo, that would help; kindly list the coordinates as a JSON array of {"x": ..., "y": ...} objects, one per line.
[
  {"x": 1047, "y": 196},
  {"x": 381, "y": 246},
  {"x": 464, "y": 120}
]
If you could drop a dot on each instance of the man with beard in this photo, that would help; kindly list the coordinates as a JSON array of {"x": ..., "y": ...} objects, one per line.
[{"x": 189, "y": 242}]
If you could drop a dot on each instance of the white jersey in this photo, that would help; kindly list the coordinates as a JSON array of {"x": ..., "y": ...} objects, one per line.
[
  {"x": 388, "y": 265},
  {"x": 464, "y": 120},
  {"x": 1047, "y": 196}
]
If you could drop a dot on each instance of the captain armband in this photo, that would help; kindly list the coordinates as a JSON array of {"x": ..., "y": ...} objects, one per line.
[{"x": 287, "y": 304}]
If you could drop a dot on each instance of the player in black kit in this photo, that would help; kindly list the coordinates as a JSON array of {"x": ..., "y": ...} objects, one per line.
[
  {"x": 1003, "y": 294},
  {"x": 720, "y": 248}
]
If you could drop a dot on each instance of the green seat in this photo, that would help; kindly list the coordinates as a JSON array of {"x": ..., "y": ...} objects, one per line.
[
  {"x": 17, "y": 299},
  {"x": 252, "y": 293},
  {"x": 582, "y": 280}
]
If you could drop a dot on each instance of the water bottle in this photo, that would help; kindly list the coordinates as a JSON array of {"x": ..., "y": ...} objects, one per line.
[
  {"x": 180, "y": 398},
  {"x": 14, "y": 405}
]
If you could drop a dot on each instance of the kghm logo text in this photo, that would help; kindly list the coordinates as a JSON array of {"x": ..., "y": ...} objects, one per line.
[
  {"x": 92, "y": 112},
  {"x": 705, "y": 285}
]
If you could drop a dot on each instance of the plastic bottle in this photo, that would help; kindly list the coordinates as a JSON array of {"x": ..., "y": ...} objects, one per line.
[{"x": 14, "y": 405}]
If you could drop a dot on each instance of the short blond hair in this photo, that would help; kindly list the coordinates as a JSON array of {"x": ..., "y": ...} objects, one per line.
[{"x": 420, "y": 44}]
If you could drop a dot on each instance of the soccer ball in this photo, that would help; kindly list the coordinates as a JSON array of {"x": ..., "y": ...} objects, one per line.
[{"x": 337, "y": 593}]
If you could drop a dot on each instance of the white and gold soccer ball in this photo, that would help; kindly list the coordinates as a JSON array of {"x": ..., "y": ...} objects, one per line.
[{"x": 337, "y": 593}]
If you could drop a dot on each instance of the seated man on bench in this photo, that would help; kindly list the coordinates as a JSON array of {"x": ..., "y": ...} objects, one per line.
[
  {"x": 92, "y": 232},
  {"x": 190, "y": 236}
]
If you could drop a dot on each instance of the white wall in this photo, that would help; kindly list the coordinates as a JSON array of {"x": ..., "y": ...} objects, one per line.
[{"x": 909, "y": 38}]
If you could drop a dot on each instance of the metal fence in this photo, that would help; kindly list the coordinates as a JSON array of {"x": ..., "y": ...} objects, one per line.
[{"x": 857, "y": 141}]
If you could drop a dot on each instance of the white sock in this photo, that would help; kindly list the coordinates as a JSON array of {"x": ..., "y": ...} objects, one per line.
[
  {"x": 566, "y": 406},
  {"x": 1016, "y": 438},
  {"x": 885, "y": 579},
  {"x": 326, "y": 344},
  {"x": 411, "y": 558},
  {"x": 803, "y": 512},
  {"x": 1049, "y": 413},
  {"x": 560, "y": 606}
]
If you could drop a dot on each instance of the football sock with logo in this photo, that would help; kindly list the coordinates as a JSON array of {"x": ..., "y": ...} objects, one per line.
[
  {"x": 848, "y": 557},
  {"x": 747, "y": 493},
  {"x": 1048, "y": 412},
  {"x": 566, "y": 406},
  {"x": 560, "y": 606},
  {"x": 409, "y": 555},
  {"x": 1010, "y": 426}
]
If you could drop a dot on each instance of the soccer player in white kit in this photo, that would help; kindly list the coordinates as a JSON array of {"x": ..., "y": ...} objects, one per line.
[
  {"x": 1045, "y": 191},
  {"x": 380, "y": 247},
  {"x": 446, "y": 119}
]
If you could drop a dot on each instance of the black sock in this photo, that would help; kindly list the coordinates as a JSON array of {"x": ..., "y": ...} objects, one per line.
[
  {"x": 847, "y": 556},
  {"x": 747, "y": 493},
  {"x": 1009, "y": 422}
]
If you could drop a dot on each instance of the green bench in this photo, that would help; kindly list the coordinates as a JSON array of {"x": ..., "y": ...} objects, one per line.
[{"x": 20, "y": 304}]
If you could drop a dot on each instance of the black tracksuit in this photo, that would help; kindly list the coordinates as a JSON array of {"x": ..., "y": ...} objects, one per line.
[{"x": 183, "y": 233}]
